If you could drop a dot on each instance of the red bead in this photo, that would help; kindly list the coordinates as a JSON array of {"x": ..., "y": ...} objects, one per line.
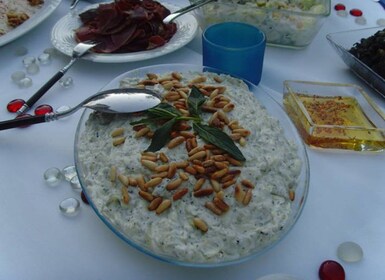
[
  {"x": 14, "y": 105},
  {"x": 84, "y": 198},
  {"x": 331, "y": 270},
  {"x": 356, "y": 12},
  {"x": 339, "y": 7},
  {"x": 43, "y": 109}
]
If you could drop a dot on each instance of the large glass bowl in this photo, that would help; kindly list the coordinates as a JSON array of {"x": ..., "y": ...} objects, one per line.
[
  {"x": 284, "y": 25},
  {"x": 343, "y": 41},
  {"x": 273, "y": 108}
]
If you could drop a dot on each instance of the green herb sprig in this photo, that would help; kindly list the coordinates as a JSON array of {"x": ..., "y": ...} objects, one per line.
[{"x": 166, "y": 113}]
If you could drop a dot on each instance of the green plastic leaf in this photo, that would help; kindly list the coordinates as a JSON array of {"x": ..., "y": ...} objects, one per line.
[
  {"x": 195, "y": 101},
  {"x": 218, "y": 138},
  {"x": 161, "y": 136}
]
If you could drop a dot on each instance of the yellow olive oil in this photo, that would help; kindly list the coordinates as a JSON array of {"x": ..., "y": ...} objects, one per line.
[{"x": 333, "y": 122}]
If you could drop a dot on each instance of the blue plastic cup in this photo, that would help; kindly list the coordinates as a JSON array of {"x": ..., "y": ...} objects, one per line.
[{"x": 236, "y": 48}]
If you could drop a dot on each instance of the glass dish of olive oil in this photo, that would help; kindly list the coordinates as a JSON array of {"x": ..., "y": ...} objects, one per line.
[{"x": 335, "y": 116}]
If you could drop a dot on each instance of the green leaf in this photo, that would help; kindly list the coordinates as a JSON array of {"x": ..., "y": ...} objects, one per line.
[
  {"x": 164, "y": 110},
  {"x": 161, "y": 136},
  {"x": 195, "y": 101},
  {"x": 145, "y": 121},
  {"x": 218, "y": 138}
]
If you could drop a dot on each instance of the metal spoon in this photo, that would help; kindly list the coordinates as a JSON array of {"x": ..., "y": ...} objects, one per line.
[
  {"x": 185, "y": 10},
  {"x": 121, "y": 100}
]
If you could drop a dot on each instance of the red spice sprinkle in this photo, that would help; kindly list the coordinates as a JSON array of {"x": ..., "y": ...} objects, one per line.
[
  {"x": 14, "y": 105},
  {"x": 339, "y": 7},
  {"x": 331, "y": 270},
  {"x": 43, "y": 109},
  {"x": 356, "y": 12}
]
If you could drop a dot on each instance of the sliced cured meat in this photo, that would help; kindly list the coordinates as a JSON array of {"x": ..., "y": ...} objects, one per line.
[{"x": 126, "y": 26}]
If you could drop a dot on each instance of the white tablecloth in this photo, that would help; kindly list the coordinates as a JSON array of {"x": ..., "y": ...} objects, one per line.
[{"x": 346, "y": 201}]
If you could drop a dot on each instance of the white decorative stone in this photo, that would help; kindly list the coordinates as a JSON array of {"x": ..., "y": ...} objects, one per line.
[
  {"x": 70, "y": 206},
  {"x": 66, "y": 82},
  {"x": 62, "y": 109},
  {"x": 28, "y": 60},
  {"x": 342, "y": 13},
  {"x": 52, "y": 176},
  {"x": 381, "y": 22},
  {"x": 50, "y": 51},
  {"x": 69, "y": 172},
  {"x": 360, "y": 20},
  {"x": 17, "y": 76},
  {"x": 20, "y": 51},
  {"x": 75, "y": 183},
  {"x": 25, "y": 82},
  {"x": 350, "y": 252},
  {"x": 44, "y": 58},
  {"x": 33, "y": 68}
]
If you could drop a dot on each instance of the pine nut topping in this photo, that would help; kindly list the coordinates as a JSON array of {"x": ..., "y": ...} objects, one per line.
[
  {"x": 183, "y": 175},
  {"x": 203, "y": 192},
  {"x": 162, "y": 168},
  {"x": 153, "y": 183},
  {"x": 117, "y": 132},
  {"x": 123, "y": 179},
  {"x": 175, "y": 142},
  {"x": 172, "y": 185},
  {"x": 172, "y": 170},
  {"x": 199, "y": 183},
  {"x": 247, "y": 198},
  {"x": 155, "y": 203},
  {"x": 113, "y": 173},
  {"x": 221, "y": 204},
  {"x": 239, "y": 193},
  {"x": 149, "y": 164},
  {"x": 118, "y": 141},
  {"x": 125, "y": 195},
  {"x": 247, "y": 183},
  {"x": 211, "y": 206},
  {"x": 200, "y": 224},
  {"x": 291, "y": 195},
  {"x": 179, "y": 194},
  {"x": 142, "y": 132},
  {"x": 146, "y": 195},
  {"x": 163, "y": 206},
  {"x": 163, "y": 158}
]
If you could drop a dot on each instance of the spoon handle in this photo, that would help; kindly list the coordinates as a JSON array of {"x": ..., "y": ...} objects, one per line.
[{"x": 22, "y": 121}]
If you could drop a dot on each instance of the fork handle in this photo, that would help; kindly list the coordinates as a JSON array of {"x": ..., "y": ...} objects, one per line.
[{"x": 31, "y": 101}]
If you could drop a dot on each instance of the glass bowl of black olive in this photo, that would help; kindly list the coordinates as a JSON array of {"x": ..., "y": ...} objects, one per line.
[{"x": 363, "y": 50}]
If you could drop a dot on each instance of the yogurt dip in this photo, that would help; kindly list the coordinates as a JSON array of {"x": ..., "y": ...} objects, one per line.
[{"x": 155, "y": 198}]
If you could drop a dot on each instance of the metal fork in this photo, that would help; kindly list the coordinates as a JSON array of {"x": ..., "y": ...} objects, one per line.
[
  {"x": 78, "y": 51},
  {"x": 185, "y": 10},
  {"x": 73, "y": 4}
]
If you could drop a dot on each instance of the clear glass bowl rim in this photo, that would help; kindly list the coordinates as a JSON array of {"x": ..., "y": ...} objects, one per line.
[{"x": 305, "y": 172}]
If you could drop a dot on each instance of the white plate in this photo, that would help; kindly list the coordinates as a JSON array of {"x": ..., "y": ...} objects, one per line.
[
  {"x": 47, "y": 9},
  {"x": 62, "y": 38}
]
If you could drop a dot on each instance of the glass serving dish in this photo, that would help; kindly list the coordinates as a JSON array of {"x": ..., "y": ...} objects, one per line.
[
  {"x": 335, "y": 116},
  {"x": 90, "y": 165},
  {"x": 343, "y": 41},
  {"x": 284, "y": 23}
]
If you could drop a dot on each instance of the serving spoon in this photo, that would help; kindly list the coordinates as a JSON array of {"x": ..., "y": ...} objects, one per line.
[{"x": 120, "y": 100}]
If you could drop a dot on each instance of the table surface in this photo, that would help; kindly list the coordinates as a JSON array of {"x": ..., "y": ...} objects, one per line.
[{"x": 346, "y": 201}]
